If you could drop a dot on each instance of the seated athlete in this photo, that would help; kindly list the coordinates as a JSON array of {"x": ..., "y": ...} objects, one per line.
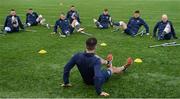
[
  {"x": 72, "y": 14},
  {"x": 12, "y": 23},
  {"x": 133, "y": 25},
  {"x": 165, "y": 29},
  {"x": 89, "y": 66},
  {"x": 65, "y": 26},
  {"x": 33, "y": 19},
  {"x": 104, "y": 20}
]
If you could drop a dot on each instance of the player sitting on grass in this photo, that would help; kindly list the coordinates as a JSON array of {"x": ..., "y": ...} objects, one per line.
[
  {"x": 33, "y": 19},
  {"x": 72, "y": 14},
  {"x": 165, "y": 29},
  {"x": 65, "y": 26},
  {"x": 89, "y": 66},
  {"x": 133, "y": 25},
  {"x": 104, "y": 20},
  {"x": 12, "y": 23}
]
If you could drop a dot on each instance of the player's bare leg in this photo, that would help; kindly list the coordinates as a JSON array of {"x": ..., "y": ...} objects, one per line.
[
  {"x": 42, "y": 21},
  {"x": 119, "y": 70},
  {"x": 75, "y": 24}
]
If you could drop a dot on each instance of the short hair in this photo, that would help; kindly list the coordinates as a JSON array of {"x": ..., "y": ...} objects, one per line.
[
  {"x": 72, "y": 6},
  {"x": 91, "y": 43},
  {"x": 106, "y": 10},
  {"x": 30, "y": 9},
  {"x": 13, "y": 10},
  {"x": 137, "y": 11},
  {"x": 62, "y": 13}
]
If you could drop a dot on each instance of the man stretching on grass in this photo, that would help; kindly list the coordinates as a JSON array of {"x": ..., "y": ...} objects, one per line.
[
  {"x": 89, "y": 66},
  {"x": 12, "y": 23},
  {"x": 133, "y": 25},
  {"x": 165, "y": 29},
  {"x": 104, "y": 20},
  {"x": 73, "y": 14},
  {"x": 66, "y": 27},
  {"x": 33, "y": 19}
]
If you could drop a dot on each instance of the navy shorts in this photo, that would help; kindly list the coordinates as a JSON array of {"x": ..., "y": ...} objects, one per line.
[
  {"x": 33, "y": 23},
  {"x": 70, "y": 30},
  {"x": 129, "y": 31},
  {"x": 106, "y": 73}
]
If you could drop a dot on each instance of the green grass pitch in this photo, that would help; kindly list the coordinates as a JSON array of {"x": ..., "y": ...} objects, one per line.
[{"x": 25, "y": 73}]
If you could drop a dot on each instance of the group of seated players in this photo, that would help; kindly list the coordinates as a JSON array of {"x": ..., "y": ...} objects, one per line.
[
  {"x": 88, "y": 63},
  {"x": 70, "y": 22}
]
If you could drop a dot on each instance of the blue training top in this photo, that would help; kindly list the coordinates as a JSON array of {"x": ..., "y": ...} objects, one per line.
[
  {"x": 64, "y": 25},
  {"x": 160, "y": 26},
  {"x": 9, "y": 23},
  {"x": 135, "y": 23},
  {"x": 89, "y": 67}
]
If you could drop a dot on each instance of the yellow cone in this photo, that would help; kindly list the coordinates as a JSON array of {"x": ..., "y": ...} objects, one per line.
[
  {"x": 138, "y": 60},
  {"x": 103, "y": 44},
  {"x": 42, "y": 52},
  {"x": 60, "y": 4}
]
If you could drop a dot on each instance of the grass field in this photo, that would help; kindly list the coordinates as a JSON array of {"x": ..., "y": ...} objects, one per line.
[{"x": 25, "y": 73}]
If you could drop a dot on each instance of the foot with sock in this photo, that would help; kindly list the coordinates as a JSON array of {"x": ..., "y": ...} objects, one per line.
[{"x": 109, "y": 60}]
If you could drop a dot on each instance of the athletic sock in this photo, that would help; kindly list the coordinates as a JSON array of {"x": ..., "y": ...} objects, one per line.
[
  {"x": 124, "y": 68},
  {"x": 116, "y": 23}
]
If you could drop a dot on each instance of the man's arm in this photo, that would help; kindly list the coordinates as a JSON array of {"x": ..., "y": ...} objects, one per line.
[
  {"x": 98, "y": 77},
  {"x": 110, "y": 21},
  {"x": 26, "y": 18},
  {"x": 78, "y": 17},
  {"x": 68, "y": 68},
  {"x": 5, "y": 23},
  {"x": 99, "y": 19},
  {"x": 68, "y": 15},
  {"x": 155, "y": 29},
  {"x": 36, "y": 15},
  {"x": 173, "y": 31},
  {"x": 129, "y": 23},
  {"x": 56, "y": 26},
  {"x": 20, "y": 23},
  {"x": 145, "y": 26}
]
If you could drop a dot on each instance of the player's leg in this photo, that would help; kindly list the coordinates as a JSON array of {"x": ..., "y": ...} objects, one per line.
[
  {"x": 31, "y": 24},
  {"x": 107, "y": 61},
  {"x": 121, "y": 24},
  {"x": 119, "y": 70},
  {"x": 42, "y": 21},
  {"x": 116, "y": 70},
  {"x": 75, "y": 24},
  {"x": 97, "y": 23}
]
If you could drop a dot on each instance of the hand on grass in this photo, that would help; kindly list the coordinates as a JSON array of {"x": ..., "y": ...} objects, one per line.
[
  {"x": 147, "y": 34},
  {"x": 104, "y": 94},
  {"x": 53, "y": 33},
  {"x": 66, "y": 85}
]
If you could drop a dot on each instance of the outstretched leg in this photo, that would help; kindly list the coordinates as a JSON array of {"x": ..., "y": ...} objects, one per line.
[
  {"x": 75, "y": 24},
  {"x": 42, "y": 21},
  {"x": 121, "y": 24},
  {"x": 119, "y": 70},
  {"x": 107, "y": 61},
  {"x": 97, "y": 23}
]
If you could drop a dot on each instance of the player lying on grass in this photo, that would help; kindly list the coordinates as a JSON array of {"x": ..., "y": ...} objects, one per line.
[
  {"x": 133, "y": 25},
  {"x": 12, "y": 23},
  {"x": 73, "y": 14},
  {"x": 104, "y": 20},
  {"x": 89, "y": 66},
  {"x": 33, "y": 19},
  {"x": 65, "y": 26},
  {"x": 165, "y": 29}
]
